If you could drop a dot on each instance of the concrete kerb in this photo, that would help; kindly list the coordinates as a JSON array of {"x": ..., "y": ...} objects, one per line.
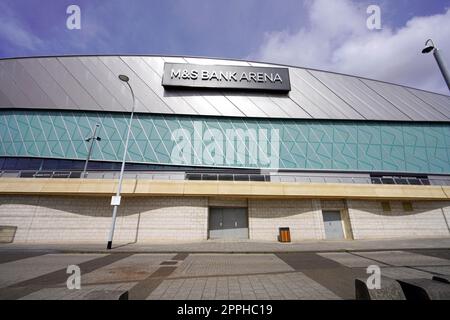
[{"x": 231, "y": 247}]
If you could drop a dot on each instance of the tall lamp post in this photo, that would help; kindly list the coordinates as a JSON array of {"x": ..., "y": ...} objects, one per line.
[
  {"x": 115, "y": 201},
  {"x": 92, "y": 139},
  {"x": 429, "y": 46}
]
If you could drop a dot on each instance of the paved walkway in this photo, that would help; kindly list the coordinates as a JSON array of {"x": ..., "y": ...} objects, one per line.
[
  {"x": 41, "y": 273},
  {"x": 241, "y": 246}
]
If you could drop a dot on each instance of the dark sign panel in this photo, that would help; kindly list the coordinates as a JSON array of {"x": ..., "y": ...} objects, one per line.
[{"x": 226, "y": 77}]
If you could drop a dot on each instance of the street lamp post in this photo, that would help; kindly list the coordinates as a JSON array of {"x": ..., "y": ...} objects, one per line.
[
  {"x": 115, "y": 201},
  {"x": 429, "y": 46},
  {"x": 92, "y": 139}
]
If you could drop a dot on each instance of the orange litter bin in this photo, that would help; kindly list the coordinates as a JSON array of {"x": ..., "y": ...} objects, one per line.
[{"x": 284, "y": 235}]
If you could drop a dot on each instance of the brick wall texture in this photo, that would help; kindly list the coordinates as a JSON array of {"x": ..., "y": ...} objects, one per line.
[{"x": 140, "y": 219}]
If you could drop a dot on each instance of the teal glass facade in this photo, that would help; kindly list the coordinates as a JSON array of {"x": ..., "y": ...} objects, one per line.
[{"x": 230, "y": 142}]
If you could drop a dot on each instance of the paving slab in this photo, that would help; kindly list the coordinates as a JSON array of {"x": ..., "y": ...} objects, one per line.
[
  {"x": 443, "y": 253},
  {"x": 29, "y": 268},
  {"x": 86, "y": 292},
  {"x": 57, "y": 277},
  {"x": 403, "y": 258},
  {"x": 14, "y": 256},
  {"x": 350, "y": 260},
  {"x": 336, "y": 277},
  {"x": 437, "y": 270},
  {"x": 226, "y": 264},
  {"x": 136, "y": 267},
  {"x": 405, "y": 273},
  {"x": 143, "y": 288},
  {"x": 280, "y": 286},
  {"x": 184, "y": 276}
]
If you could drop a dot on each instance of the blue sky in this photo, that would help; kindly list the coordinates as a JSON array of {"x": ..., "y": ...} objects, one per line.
[{"x": 232, "y": 29}]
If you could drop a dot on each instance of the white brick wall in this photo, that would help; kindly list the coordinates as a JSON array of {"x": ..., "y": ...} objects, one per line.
[
  {"x": 446, "y": 211},
  {"x": 303, "y": 217},
  {"x": 369, "y": 221},
  {"x": 88, "y": 219},
  {"x": 227, "y": 202}
]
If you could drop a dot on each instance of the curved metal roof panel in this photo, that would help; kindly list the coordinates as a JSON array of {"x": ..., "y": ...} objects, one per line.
[{"x": 90, "y": 83}]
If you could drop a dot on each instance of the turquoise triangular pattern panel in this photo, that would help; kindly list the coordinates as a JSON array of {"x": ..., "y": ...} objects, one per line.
[{"x": 304, "y": 144}]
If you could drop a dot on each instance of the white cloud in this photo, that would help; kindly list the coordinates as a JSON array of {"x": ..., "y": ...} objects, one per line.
[
  {"x": 19, "y": 39},
  {"x": 13, "y": 32},
  {"x": 337, "y": 39}
]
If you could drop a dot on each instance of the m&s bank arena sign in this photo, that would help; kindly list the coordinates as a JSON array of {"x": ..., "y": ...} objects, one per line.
[{"x": 226, "y": 77}]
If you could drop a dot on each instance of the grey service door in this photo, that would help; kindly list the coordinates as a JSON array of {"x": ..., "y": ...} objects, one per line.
[
  {"x": 333, "y": 225},
  {"x": 228, "y": 223}
]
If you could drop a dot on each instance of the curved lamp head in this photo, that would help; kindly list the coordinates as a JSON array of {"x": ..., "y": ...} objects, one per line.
[
  {"x": 428, "y": 47},
  {"x": 124, "y": 78}
]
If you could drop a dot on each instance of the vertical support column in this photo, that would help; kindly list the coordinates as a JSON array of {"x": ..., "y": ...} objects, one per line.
[
  {"x": 206, "y": 203},
  {"x": 446, "y": 215},
  {"x": 348, "y": 230},
  {"x": 318, "y": 219},
  {"x": 249, "y": 220}
]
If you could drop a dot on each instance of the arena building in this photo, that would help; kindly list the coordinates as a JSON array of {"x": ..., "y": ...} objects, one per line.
[{"x": 219, "y": 149}]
